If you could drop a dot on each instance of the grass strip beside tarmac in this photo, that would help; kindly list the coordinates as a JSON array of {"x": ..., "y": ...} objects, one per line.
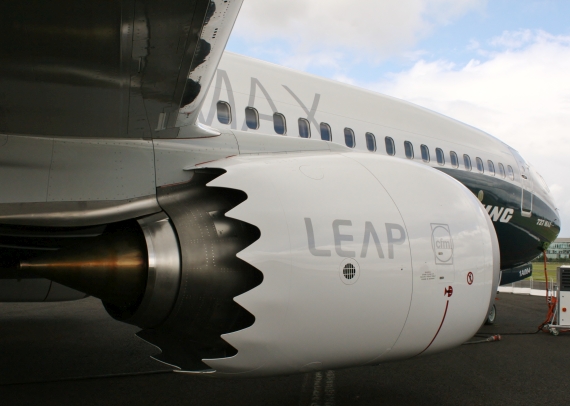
[{"x": 538, "y": 270}]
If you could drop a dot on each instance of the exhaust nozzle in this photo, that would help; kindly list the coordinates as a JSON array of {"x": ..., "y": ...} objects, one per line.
[{"x": 112, "y": 267}]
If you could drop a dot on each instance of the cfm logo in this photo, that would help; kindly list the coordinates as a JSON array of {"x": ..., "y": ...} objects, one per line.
[
  {"x": 442, "y": 244},
  {"x": 499, "y": 214}
]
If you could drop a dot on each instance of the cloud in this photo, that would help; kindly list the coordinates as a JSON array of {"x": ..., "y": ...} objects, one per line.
[
  {"x": 379, "y": 28},
  {"x": 513, "y": 40},
  {"x": 520, "y": 93}
]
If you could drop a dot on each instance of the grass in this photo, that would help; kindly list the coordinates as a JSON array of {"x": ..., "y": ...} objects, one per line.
[{"x": 538, "y": 270}]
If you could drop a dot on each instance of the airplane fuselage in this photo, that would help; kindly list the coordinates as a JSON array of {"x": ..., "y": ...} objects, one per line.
[{"x": 268, "y": 99}]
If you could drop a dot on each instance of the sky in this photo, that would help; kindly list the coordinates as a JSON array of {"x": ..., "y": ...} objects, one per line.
[{"x": 500, "y": 65}]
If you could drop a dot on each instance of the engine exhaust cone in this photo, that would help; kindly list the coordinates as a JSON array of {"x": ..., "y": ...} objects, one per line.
[{"x": 112, "y": 267}]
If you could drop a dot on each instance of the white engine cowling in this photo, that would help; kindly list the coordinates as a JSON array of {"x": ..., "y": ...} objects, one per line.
[{"x": 365, "y": 259}]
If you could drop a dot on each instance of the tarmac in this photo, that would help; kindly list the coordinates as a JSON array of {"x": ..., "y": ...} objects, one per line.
[{"x": 75, "y": 354}]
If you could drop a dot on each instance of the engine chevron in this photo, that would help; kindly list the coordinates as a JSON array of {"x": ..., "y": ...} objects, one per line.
[{"x": 211, "y": 273}]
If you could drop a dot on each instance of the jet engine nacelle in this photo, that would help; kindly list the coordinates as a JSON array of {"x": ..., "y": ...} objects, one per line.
[
  {"x": 363, "y": 260},
  {"x": 267, "y": 265}
]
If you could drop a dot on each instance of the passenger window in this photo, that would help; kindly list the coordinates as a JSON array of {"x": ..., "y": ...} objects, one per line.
[
  {"x": 440, "y": 156},
  {"x": 409, "y": 148},
  {"x": 454, "y": 159},
  {"x": 371, "y": 142},
  {"x": 491, "y": 167},
  {"x": 349, "y": 138},
  {"x": 390, "y": 147},
  {"x": 480, "y": 166},
  {"x": 502, "y": 171},
  {"x": 304, "y": 128},
  {"x": 279, "y": 124},
  {"x": 467, "y": 162},
  {"x": 251, "y": 118},
  {"x": 511, "y": 172},
  {"x": 326, "y": 133},
  {"x": 425, "y": 153},
  {"x": 224, "y": 112}
]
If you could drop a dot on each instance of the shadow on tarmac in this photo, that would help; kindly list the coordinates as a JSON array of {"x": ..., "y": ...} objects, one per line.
[{"x": 74, "y": 353}]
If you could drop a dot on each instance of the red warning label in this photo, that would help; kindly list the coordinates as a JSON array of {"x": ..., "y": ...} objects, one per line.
[{"x": 470, "y": 278}]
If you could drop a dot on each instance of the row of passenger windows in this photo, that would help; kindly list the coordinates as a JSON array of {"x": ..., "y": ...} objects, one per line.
[
  {"x": 453, "y": 158},
  {"x": 280, "y": 127}
]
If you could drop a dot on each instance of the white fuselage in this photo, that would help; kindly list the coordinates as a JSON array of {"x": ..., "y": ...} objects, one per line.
[{"x": 245, "y": 84}]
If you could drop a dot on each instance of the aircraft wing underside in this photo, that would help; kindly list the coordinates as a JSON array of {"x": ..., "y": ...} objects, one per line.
[{"x": 109, "y": 68}]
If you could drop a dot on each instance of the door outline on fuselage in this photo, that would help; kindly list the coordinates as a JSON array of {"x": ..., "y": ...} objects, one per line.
[
  {"x": 526, "y": 191},
  {"x": 526, "y": 185}
]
